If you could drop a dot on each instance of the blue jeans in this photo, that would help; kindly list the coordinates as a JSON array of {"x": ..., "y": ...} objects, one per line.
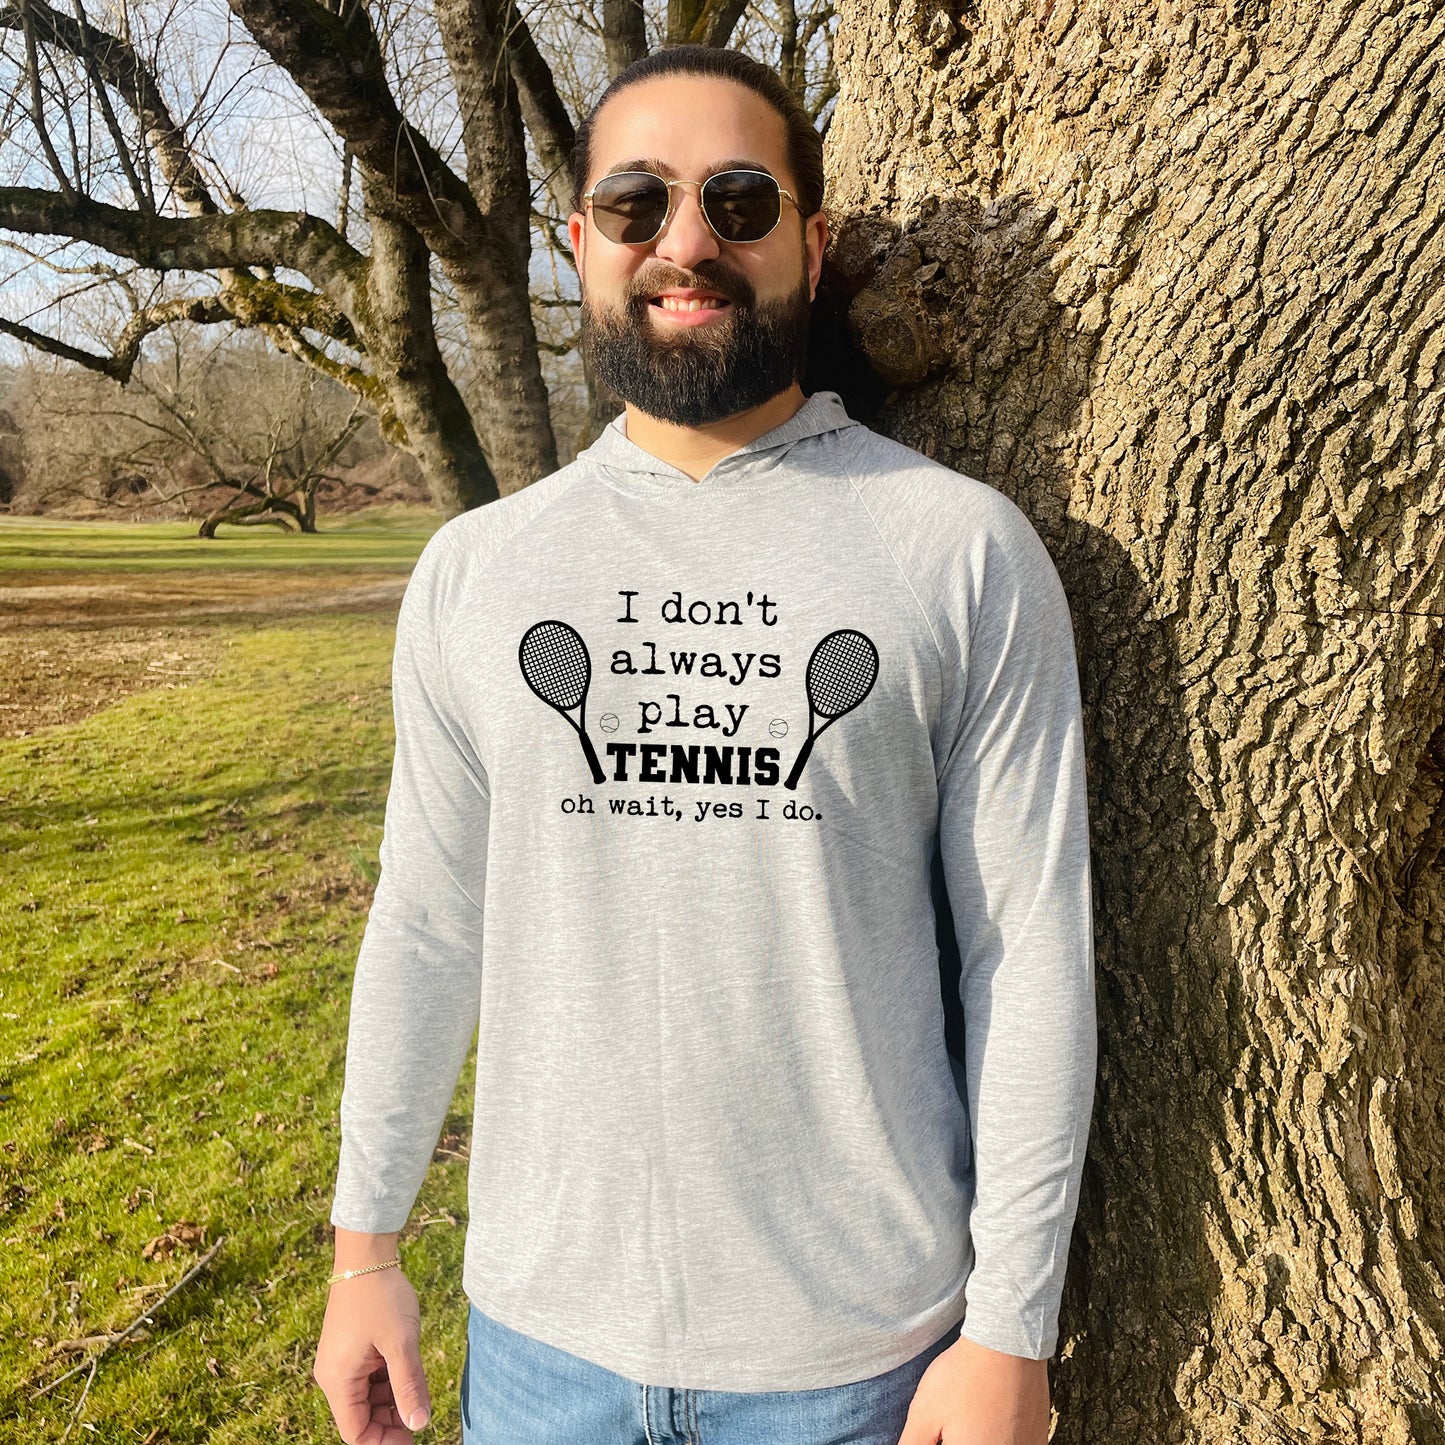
[{"x": 518, "y": 1391}]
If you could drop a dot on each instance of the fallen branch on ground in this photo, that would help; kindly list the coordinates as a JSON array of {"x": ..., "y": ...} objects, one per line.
[{"x": 146, "y": 1317}]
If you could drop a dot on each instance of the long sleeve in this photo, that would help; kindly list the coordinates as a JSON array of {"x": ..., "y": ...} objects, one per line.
[
  {"x": 416, "y": 994},
  {"x": 1013, "y": 835}
]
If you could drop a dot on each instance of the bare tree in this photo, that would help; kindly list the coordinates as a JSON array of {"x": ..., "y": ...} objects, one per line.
[
  {"x": 451, "y": 132},
  {"x": 217, "y": 429}
]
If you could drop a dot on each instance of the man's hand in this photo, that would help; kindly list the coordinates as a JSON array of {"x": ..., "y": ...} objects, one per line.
[
  {"x": 972, "y": 1395},
  {"x": 368, "y": 1360}
]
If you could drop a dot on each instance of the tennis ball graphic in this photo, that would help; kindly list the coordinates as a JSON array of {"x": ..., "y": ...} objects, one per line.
[
  {"x": 778, "y": 728},
  {"x": 608, "y": 722}
]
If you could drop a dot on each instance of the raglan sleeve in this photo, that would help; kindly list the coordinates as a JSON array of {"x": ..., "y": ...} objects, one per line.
[
  {"x": 1013, "y": 838},
  {"x": 416, "y": 992}
]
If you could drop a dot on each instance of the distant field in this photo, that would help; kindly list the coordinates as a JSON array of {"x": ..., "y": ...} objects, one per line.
[
  {"x": 190, "y": 805},
  {"x": 383, "y": 538},
  {"x": 55, "y": 574},
  {"x": 91, "y": 612}
]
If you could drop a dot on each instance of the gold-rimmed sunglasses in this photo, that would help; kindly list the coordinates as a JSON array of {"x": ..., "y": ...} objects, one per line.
[{"x": 632, "y": 207}]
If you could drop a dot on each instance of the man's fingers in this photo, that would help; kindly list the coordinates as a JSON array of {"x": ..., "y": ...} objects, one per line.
[
  {"x": 408, "y": 1387},
  {"x": 382, "y": 1428},
  {"x": 350, "y": 1401},
  {"x": 918, "y": 1431},
  {"x": 366, "y": 1408},
  {"x": 369, "y": 1362},
  {"x": 382, "y": 1432},
  {"x": 920, "y": 1436}
]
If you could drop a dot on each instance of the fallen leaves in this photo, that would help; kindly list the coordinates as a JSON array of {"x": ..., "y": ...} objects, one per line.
[
  {"x": 453, "y": 1146},
  {"x": 180, "y": 1235}
]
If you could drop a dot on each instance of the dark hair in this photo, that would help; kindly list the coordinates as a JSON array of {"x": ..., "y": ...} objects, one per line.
[{"x": 805, "y": 145}]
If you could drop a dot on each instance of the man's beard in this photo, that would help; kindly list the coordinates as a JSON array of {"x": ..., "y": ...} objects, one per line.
[{"x": 700, "y": 374}]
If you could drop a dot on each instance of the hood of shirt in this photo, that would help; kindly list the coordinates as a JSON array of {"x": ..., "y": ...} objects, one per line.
[{"x": 808, "y": 436}]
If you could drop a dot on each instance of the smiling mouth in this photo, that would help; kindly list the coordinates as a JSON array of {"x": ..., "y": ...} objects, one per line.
[{"x": 673, "y": 303}]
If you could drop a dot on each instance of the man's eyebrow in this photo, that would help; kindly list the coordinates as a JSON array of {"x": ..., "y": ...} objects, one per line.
[{"x": 661, "y": 168}]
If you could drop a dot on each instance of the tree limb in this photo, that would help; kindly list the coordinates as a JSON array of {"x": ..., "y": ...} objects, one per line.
[
  {"x": 116, "y": 367},
  {"x": 144, "y": 197},
  {"x": 260, "y": 301},
  {"x": 360, "y": 383},
  {"x": 543, "y": 111},
  {"x": 336, "y": 59},
  {"x": 290, "y": 239},
  {"x": 719, "y": 22},
  {"x": 26, "y": 24},
  {"x": 144, "y": 1318},
  {"x": 702, "y": 22},
  {"x": 473, "y": 36},
  {"x": 425, "y": 411},
  {"x": 117, "y": 63}
]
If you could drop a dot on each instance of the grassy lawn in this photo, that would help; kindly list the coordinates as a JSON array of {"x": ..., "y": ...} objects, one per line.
[
  {"x": 185, "y": 880},
  {"x": 386, "y": 538}
]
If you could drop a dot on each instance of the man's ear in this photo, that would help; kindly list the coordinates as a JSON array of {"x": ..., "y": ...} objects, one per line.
[
  {"x": 577, "y": 235},
  {"x": 815, "y": 239}
]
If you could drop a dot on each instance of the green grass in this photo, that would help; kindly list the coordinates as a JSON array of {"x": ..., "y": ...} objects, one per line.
[
  {"x": 386, "y": 538},
  {"x": 185, "y": 881}
]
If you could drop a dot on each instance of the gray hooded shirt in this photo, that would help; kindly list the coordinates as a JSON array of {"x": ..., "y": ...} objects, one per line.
[{"x": 672, "y": 760}]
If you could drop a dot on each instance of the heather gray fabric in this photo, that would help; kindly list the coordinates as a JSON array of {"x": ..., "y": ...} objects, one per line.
[{"x": 716, "y": 1140}]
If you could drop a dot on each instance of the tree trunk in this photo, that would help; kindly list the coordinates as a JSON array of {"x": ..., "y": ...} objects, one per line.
[
  {"x": 624, "y": 33},
  {"x": 1172, "y": 278},
  {"x": 401, "y": 339},
  {"x": 511, "y": 397}
]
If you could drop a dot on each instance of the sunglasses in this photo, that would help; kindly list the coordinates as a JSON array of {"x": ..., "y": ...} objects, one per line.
[{"x": 632, "y": 207}]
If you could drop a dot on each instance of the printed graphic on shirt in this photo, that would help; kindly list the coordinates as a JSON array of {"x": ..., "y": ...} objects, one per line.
[
  {"x": 841, "y": 673},
  {"x": 557, "y": 667}
]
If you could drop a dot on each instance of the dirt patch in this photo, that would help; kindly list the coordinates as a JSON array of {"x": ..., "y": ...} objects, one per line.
[
  {"x": 60, "y": 676},
  {"x": 74, "y": 643},
  {"x": 66, "y": 599}
]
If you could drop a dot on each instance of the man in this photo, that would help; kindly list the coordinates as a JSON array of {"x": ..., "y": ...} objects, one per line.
[{"x": 678, "y": 731}]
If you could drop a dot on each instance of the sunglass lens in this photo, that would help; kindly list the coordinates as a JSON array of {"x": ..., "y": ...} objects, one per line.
[
  {"x": 742, "y": 205},
  {"x": 629, "y": 207}
]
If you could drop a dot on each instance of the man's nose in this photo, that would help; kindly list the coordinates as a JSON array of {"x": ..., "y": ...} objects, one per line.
[{"x": 687, "y": 238}]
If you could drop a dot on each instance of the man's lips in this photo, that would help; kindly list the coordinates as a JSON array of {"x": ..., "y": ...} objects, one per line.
[{"x": 690, "y": 305}]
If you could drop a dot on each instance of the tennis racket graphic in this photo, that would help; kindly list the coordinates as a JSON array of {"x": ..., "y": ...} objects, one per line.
[
  {"x": 841, "y": 673},
  {"x": 558, "y": 669}
]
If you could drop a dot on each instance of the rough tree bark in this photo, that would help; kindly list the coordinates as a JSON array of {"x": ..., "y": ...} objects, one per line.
[{"x": 1171, "y": 277}]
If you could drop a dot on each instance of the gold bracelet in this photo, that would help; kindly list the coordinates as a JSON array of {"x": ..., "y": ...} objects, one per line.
[{"x": 351, "y": 1273}]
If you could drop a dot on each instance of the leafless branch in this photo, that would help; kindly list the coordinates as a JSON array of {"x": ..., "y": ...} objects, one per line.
[
  {"x": 288, "y": 239},
  {"x": 37, "y": 101},
  {"x": 145, "y": 1317},
  {"x": 144, "y": 199}
]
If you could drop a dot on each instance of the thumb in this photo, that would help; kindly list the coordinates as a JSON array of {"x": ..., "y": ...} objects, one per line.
[{"x": 408, "y": 1385}]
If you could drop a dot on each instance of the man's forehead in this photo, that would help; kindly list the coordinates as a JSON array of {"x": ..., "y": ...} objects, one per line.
[
  {"x": 688, "y": 127},
  {"x": 660, "y": 167}
]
